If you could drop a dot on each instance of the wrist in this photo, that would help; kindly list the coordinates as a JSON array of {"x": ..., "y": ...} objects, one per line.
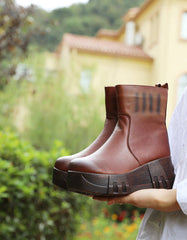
[{"x": 166, "y": 201}]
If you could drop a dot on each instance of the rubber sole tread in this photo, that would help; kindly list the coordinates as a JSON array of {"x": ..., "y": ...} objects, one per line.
[{"x": 156, "y": 174}]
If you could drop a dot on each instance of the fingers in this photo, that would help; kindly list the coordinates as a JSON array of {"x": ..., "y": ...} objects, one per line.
[
  {"x": 111, "y": 200},
  {"x": 103, "y": 199},
  {"x": 158, "y": 199},
  {"x": 117, "y": 200}
]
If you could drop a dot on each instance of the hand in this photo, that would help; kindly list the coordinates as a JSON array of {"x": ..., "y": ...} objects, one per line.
[{"x": 158, "y": 199}]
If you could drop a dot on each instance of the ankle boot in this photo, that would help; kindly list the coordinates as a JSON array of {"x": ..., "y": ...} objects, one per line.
[
  {"x": 137, "y": 154},
  {"x": 61, "y": 165}
]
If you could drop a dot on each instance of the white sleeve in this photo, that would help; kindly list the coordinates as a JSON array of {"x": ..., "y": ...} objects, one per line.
[
  {"x": 182, "y": 195},
  {"x": 177, "y": 133}
]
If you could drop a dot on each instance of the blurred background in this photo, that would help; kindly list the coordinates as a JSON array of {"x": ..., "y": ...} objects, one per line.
[{"x": 55, "y": 59}]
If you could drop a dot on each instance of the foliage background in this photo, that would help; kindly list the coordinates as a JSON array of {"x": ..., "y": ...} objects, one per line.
[
  {"x": 83, "y": 19},
  {"x": 40, "y": 121},
  {"x": 30, "y": 206}
]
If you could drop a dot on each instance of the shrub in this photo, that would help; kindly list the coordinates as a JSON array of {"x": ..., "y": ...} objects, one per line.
[
  {"x": 108, "y": 227},
  {"x": 30, "y": 205}
]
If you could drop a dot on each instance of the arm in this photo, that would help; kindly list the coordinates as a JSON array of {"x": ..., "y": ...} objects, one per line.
[{"x": 158, "y": 199}]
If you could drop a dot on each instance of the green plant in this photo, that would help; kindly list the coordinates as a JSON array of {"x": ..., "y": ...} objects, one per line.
[
  {"x": 13, "y": 106},
  {"x": 108, "y": 227},
  {"x": 82, "y": 19},
  {"x": 30, "y": 205},
  {"x": 15, "y": 35},
  {"x": 124, "y": 210},
  {"x": 54, "y": 112}
]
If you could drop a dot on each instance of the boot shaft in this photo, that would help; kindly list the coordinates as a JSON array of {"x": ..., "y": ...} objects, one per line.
[
  {"x": 110, "y": 102},
  {"x": 137, "y": 100},
  {"x": 144, "y": 107}
]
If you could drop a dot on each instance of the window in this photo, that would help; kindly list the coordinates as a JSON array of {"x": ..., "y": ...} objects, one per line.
[
  {"x": 85, "y": 80},
  {"x": 130, "y": 33},
  {"x": 181, "y": 85},
  {"x": 184, "y": 26}
]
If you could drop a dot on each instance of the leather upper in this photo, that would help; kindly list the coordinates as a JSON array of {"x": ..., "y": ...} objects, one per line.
[
  {"x": 62, "y": 163},
  {"x": 140, "y": 135}
]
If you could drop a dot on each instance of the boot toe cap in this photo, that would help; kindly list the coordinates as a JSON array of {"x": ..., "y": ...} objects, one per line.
[
  {"x": 81, "y": 165},
  {"x": 62, "y": 163}
]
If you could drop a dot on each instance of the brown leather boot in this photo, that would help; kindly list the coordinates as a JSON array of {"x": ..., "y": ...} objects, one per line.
[
  {"x": 61, "y": 165},
  {"x": 136, "y": 155}
]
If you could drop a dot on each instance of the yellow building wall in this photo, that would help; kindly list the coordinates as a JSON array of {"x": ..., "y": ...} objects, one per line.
[
  {"x": 118, "y": 38},
  {"x": 174, "y": 62},
  {"x": 109, "y": 38},
  {"x": 122, "y": 37},
  {"x": 108, "y": 71},
  {"x": 169, "y": 51},
  {"x": 148, "y": 24},
  {"x": 113, "y": 71},
  {"x": 159, "y": 25}
]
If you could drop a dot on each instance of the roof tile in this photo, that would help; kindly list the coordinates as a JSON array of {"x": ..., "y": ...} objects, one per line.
[{"x": 95, "y": 45}]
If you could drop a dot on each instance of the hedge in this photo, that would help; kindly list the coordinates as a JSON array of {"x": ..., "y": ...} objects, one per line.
[{"x": 31, "y": 207}]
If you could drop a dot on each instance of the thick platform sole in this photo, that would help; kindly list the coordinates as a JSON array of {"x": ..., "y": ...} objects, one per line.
[
  {"x": 156, "y": 174},
  {"x": 60, "y": 178}
]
